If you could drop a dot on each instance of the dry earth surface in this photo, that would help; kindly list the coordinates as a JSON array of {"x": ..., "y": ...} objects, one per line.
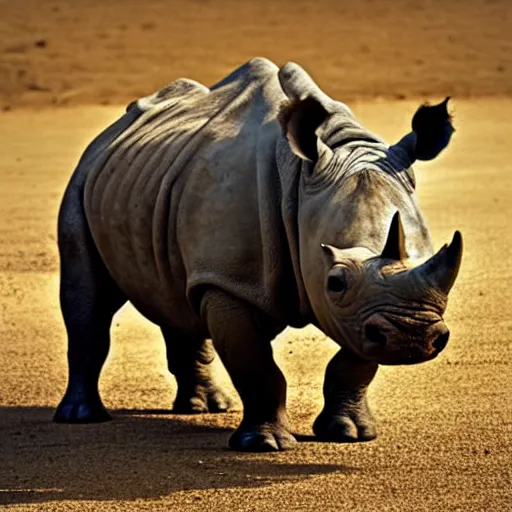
[
  {"x": 445, "y": 427},
  {"x": 55, "y": 52}
]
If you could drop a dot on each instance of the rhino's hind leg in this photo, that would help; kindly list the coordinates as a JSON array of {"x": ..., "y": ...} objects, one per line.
[
  {"x": 190, "y": 360},
  {"x": 89, "y": 298},
  {"x": 345, "y": 416},
  {"x": 244, "y": 347}
]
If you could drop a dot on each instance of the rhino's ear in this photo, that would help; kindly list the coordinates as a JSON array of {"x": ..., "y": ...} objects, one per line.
[
  {"x": 300, "y": 120},
  {"x": 431, "y": 132}
]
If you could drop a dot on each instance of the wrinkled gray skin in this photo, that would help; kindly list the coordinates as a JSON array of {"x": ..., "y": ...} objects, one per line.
[{"x": 232, "y": 212}]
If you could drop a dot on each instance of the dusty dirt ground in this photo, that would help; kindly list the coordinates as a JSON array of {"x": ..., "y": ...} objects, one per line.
[
  {"x": 56, "y": 52},
  {"x": 445, "y": 427}
]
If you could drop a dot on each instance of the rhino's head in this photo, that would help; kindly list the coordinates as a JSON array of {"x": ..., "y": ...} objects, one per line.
[
  {"x": 365, "y": 295},
  {"x": 383, "y": 309}
]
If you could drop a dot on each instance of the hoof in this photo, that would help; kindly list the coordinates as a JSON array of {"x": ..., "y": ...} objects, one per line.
[
  {"x": 81, "y": 412},
  {"x": 262, "y": 438},
  {"x": 202, "y": 401},
  {"x": 344, "y": 428}
]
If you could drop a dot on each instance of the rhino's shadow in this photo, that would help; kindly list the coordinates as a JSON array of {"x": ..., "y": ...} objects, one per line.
[{"x": 143, "y": 454}]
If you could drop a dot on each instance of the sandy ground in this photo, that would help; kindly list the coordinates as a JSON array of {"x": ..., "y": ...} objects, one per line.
[
  {"x": 445, "y": 426},
  {"x": 59, "y": 52}
]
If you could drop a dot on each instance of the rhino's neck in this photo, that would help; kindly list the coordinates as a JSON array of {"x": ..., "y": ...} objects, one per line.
[
  {"x": 354, "y": 156},
  {"x": 350, "y": 202},
  {"x": 357, "y": 149}
]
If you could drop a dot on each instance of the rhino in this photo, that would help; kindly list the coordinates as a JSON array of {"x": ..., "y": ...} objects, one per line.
[{"x": 226, "y": 214}]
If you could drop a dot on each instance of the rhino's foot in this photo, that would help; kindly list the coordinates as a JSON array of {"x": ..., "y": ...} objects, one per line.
[
  {"x": 201, "y": 401},
  {"x": 81, "y": 411},
  {"x": 269, "y": 437},
  {"x": 349, "y": 427}
]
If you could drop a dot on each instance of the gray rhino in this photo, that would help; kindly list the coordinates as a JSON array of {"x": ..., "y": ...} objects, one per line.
[{"x": 228, "y": 213}]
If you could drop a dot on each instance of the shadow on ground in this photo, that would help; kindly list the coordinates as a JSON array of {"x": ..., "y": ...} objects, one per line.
[{"x": 142, "y": 454}]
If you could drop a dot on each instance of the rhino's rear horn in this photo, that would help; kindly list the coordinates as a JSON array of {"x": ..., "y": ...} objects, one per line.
[
  {"x": 442, "y": 269},
  {"x": 395, "y": 243}
]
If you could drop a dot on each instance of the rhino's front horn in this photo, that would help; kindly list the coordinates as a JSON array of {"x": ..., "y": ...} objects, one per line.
[{"x": 441, "y": 269}]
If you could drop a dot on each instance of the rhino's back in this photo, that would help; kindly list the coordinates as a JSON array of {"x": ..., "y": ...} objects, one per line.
[{"x": 188, "y": 195}]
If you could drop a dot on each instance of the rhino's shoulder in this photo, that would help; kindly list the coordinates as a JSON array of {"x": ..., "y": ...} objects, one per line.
[{"x": 255, "y": 70}]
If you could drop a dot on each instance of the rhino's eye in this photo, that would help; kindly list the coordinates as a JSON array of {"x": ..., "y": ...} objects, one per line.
[{"x": 337, "y": 284}]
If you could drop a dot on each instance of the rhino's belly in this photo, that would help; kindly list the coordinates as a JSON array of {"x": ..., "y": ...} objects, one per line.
[
  {"x": 156, "y": 287},
  {"x": 161, "y": 302}
]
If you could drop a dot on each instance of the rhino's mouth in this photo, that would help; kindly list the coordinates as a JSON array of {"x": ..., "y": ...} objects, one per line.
[
  {"x": 408, "y": 358},
  {"x": 392, "y": 339}
]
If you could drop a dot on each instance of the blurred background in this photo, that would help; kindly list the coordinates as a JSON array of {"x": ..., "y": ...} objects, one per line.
[{"x": 58, "y": 52}]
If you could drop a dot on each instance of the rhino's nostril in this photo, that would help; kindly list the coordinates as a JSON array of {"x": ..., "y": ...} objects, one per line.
[
  {"x": 441, "y": 341},
  {"x": 375, "y": 335}
]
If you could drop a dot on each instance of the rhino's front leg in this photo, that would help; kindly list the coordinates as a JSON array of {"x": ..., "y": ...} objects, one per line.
[
  {"x": 345, "y": 416},
  {"x": 190, "y": 359},
  {"x": 244, "y": 347}
]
